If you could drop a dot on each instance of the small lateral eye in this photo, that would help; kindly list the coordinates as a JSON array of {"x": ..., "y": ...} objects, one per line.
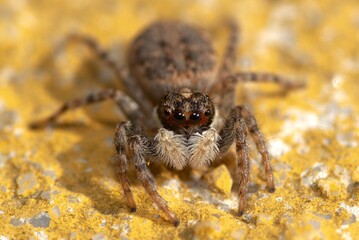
[
  {"x": 166, "y": 113},
  {"x": 179, "y": 116},
  {"x": 195, "y": 116},
  {"x": 207, "y": 113}
]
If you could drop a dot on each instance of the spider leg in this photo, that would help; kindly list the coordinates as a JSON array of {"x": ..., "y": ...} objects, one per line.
[
  {"x": 130, "y": 140},
  {"x": 126, "y": 104},
  {"x": 259, "y": 140},
  {"x": 234, "y": 129},
  {"x": 129, "y": 83},
  {"x": 243, "y": 77},
  {"x": 229, "y": 57},
  {"x": 226, "y": 88},
  {"x": 228, "y": 61}
]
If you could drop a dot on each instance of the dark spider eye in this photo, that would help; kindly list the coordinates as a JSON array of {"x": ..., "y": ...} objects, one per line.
[
  {"x": 195, "y": 116},
  {"x": 207, "y": 113},
  {"x": 179, "y": 116}
]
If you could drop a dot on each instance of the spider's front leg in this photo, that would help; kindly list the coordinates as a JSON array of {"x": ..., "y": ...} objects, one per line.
[
  {"x": 235, "y": 129},
  {"x": 132, "y": 144},
  {"x": 128, "y": 106}
]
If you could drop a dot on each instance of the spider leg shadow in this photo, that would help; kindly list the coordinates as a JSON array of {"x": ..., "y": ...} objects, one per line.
[{"x": 87, "y": 169}]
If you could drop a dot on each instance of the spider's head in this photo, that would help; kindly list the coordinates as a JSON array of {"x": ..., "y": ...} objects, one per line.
[{"x": 186, "y": 112}]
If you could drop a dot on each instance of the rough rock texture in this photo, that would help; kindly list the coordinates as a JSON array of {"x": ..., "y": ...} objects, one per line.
[
  {"x": 220, "y": 179},
  {"x": 59, "y": 182},
  {"x": 332, "y": 189}
]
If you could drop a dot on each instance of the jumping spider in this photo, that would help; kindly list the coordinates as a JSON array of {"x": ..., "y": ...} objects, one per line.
[{"x": 173, "y": 73}]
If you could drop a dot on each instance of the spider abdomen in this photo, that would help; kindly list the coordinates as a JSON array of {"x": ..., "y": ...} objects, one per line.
[{"x": 171, "y": 55}]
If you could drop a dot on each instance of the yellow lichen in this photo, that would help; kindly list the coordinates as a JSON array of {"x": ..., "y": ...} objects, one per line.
[
  {"x": 332, "y": 189},
  {"x": 220, "y": 179},
  {"x": 206, "y": 230}
]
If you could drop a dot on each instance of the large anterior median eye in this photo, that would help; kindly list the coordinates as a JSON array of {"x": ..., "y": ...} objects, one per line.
[
  {"x": 179, "y": 116},
  {"x": 195, "y": 117}
]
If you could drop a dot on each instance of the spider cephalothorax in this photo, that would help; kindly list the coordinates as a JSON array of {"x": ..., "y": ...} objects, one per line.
[
  {"x": 170, "y": 55},
  {"x": 186, "y": 112}
]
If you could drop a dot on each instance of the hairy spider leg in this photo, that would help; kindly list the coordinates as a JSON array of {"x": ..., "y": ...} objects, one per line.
[
  {"x": 230, "y": 55},
  {"x": 235, "y": 130},
  {"x": 130, "y": 140},
  {"x": 128, "y": 106},
  {"x": 243, "y": 77}
]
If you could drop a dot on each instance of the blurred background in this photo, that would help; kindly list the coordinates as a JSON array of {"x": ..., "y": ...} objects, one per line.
[{"x": 64, "y": 176}]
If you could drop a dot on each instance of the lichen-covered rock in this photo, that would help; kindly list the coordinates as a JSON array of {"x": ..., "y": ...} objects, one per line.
[
  {"x": 310, "y": 176},
  {"x": 343, "y": 175},
  {"x": 41, "y": 235},
  {"x": 26, "y": 183},
  {"x": 354, "y": 194},
  {"x": 7, "y": 117},
  {"x": 280, "y": 171},
  {"x": 206, "y": 230},
  {"x": 263, "y": 219},
  {"x": 308, "y": 231},
  {"x": 3, "y": 160},
  {"x": 332, "y": 189},
  {"x": 220, "y": 179},
  {"x": 238, "y": 234},
  {"x": 355, "y": 175},
  {"x": 56, "y": 211},
  {"x": 40, "y": 220},
  {"x": 99, "y": 236},
  {"x": 17, "y": 221}
]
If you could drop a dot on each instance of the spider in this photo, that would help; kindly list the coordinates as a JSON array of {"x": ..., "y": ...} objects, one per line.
[{"x": 175, "y": 86}]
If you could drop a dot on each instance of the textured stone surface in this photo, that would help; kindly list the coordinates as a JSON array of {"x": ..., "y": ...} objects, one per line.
[
  {"x": 332, "y": 188},
  {"x": 206, "y": 230},
  {"x": 40, "y": 220},
  {"x": 356, "y": 175},
  {"x": 311, "y": 176},
  {"x": 26, "y": 183},
  {"x": 65, "y": 173},
  {"x": 220, "y": 179}
]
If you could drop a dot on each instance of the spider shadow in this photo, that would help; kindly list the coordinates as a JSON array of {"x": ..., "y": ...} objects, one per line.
[{"x": 86, "y": 168}]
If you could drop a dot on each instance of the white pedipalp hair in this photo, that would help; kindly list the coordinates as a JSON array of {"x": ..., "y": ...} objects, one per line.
[
  {"x": 203, "y": 148},
  {"x": 171, "y": 148}
]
